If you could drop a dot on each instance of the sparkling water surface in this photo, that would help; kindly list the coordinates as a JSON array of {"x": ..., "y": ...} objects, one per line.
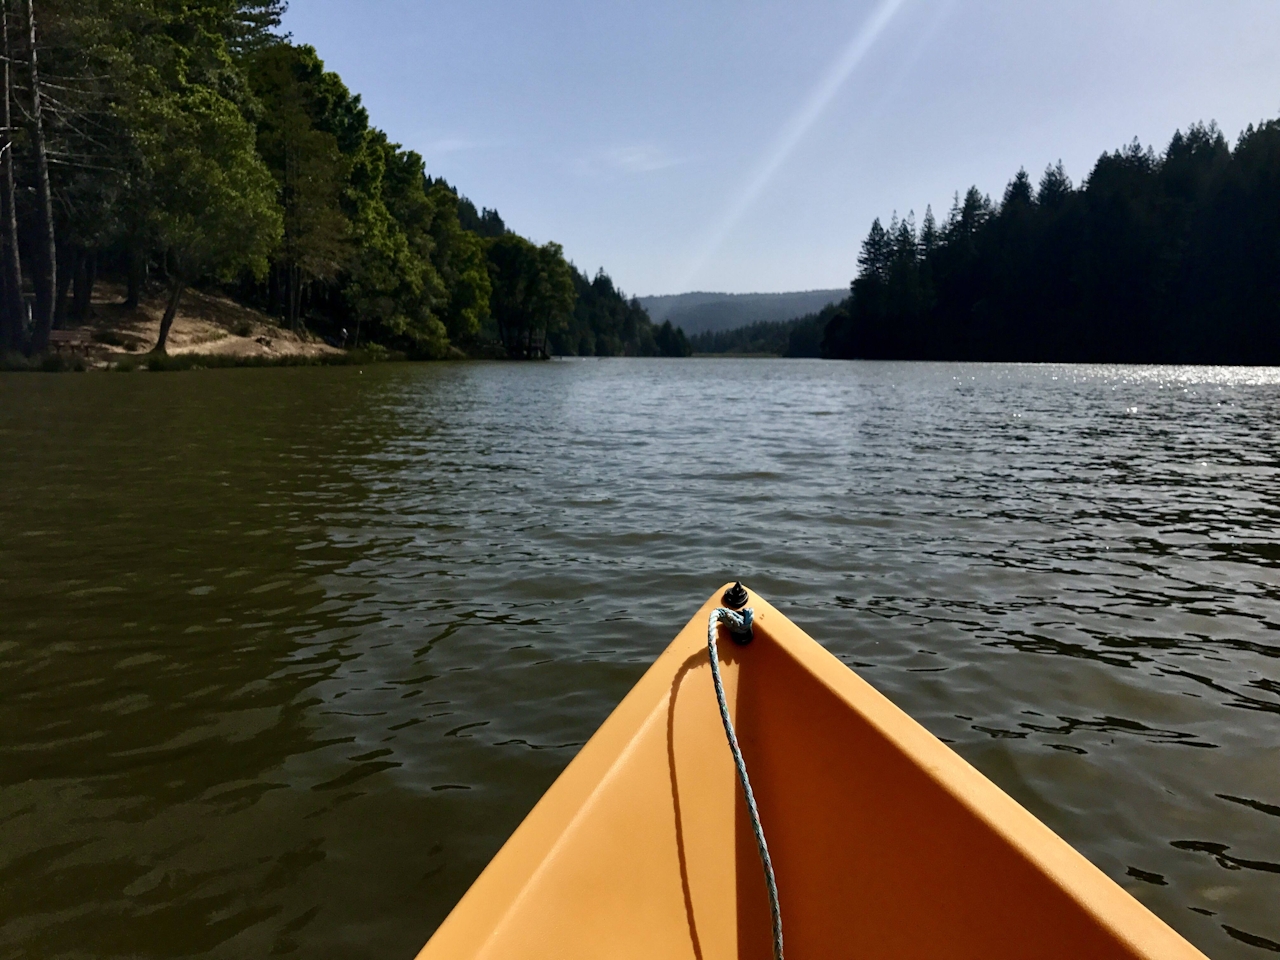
[{"x": 285, "y": 655}]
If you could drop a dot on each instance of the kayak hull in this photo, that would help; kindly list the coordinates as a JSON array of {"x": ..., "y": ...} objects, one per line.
[{"x": 885, "y": 842}]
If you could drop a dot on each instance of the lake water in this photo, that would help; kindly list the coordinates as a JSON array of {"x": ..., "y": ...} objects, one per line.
[{"x": 286, "y": 654}]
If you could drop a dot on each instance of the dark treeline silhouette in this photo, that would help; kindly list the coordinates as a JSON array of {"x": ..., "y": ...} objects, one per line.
[
  {"x": 484, "y": 223},
  {"x": 1170, "y": 258},
  {"x": 606, "y": 323},
  {"x": 700, "y": 311},
  {"x": 800, "y": 337},
  {"x": 671, "y": 341},
  {"x": 762, "y": 337}
]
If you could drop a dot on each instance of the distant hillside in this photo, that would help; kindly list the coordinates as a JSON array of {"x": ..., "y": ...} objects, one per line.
[
  {"x": 798, "y": 337},
  {"x": 709, "y": 312}
]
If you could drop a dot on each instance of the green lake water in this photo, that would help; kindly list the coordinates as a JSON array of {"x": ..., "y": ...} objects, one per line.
[{"x": 286, "y": 654}]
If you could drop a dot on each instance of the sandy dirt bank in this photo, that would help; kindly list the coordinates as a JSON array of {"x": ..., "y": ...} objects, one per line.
[{"x": 206, "y": 324}]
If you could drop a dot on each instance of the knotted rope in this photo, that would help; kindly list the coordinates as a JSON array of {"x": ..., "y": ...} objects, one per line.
[{"x": 739, "y": 624}]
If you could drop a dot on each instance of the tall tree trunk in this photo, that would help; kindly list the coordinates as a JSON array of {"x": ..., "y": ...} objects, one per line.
[
  {"x": 88, "y": 277},
  {"x": 286, "y": 295},
  {"x": 47, "y": 277},
  {"x": 12, "y": 330},
  {"x": 170, "y": 311},
  {"x": 70, "y": 267},
  {"x": 137, "y": 270},
  {"x": 273, "y": 289},
  {"x": 295, "y": 297},
  {"x": 82, "y": 289}
]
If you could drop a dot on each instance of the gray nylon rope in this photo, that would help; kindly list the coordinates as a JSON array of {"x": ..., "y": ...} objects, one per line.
[{"x": 740, "y": 623}]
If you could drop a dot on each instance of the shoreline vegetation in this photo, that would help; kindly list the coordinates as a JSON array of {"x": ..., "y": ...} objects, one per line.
[
  {"x": 1169, "y": 257},
  {"x": 186, "y": 152},
  {"x": 158, "y": 156}
]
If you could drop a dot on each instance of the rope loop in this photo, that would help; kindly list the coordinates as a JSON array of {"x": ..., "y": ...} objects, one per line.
[{"x": 739, "y": 624}]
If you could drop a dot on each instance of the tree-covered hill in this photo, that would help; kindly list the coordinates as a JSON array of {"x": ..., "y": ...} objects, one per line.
[
  {"x": 180, "y": 142},
  {"x": 701, "y": 312},
  {"x": 605, "y": 323},
  {"x": 799, "y": 337},
  {"x": 1169, "y": 257}
]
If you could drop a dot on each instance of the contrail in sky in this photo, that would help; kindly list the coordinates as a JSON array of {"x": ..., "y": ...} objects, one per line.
[{"x": 796, "y": 128}]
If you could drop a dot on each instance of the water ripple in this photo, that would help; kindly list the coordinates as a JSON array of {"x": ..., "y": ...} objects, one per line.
[{"x": 287, "y": 654}]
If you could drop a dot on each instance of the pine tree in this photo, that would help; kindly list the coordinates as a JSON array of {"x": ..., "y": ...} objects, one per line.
[
  {"x": 876, "y": 254},
  {"x": 1055, "y": 187}
]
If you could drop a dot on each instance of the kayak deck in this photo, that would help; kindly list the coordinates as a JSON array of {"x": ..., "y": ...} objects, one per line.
[{"x": 885, "y": 842}]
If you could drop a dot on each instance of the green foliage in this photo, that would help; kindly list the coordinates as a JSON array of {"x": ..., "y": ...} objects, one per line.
[
  {"x": 310, "y": 174},
  {"x": 212, "y": 201},
  {"x": 768, "y": 337},
  {"x": 800, "y": 337},
  {"x": 604, "y": 323},
  {"x": 195, "y": 144},
  {"x": 701, "y": 311},
  {"x": 459, "y": 257},
  {"x": 671, "y": 341},
  {"x": 392, "y": 285},
  {"x": 148, "y": 123},
  {"x": 391, "y": 257},
  {"x": 804, "y": 339},
  {"x": 485, "y": 223},
  {"x": 1171, "y": 257},
  {"x": 532, "y": 293},
  {"x": 251, "y": 25}
]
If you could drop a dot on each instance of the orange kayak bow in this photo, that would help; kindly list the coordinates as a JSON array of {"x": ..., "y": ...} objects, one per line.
[{"x": 886, "y": 843}]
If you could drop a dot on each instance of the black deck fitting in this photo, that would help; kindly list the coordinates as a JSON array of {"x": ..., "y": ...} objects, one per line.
[{"x": 735, "y": 597}]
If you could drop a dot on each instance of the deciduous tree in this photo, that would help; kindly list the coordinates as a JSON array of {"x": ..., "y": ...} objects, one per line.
[
  {"x": 532, "y": 293},
  {"x": 214, "y": 208}
]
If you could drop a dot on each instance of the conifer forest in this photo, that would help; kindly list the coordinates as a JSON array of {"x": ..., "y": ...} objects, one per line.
[
  {"x": 1169, "y": 257},
  {"x": 172, "y": 143}
]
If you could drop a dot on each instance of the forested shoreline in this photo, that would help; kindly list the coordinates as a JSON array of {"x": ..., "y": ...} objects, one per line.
[
  {"x": 1155, "y": 258},
  {"x": 171, "y": 143},
  {"x": 165, "y": 144},
  {"x": 799, "y": 337}
]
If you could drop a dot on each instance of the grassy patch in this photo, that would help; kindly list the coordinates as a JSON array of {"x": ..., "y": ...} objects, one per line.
[
  {"x": 14, "y": 362},
  {"x": 57, "y": 363}
]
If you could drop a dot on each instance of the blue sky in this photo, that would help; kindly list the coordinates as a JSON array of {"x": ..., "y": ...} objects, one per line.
[{"x": 747, "y": 146}]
